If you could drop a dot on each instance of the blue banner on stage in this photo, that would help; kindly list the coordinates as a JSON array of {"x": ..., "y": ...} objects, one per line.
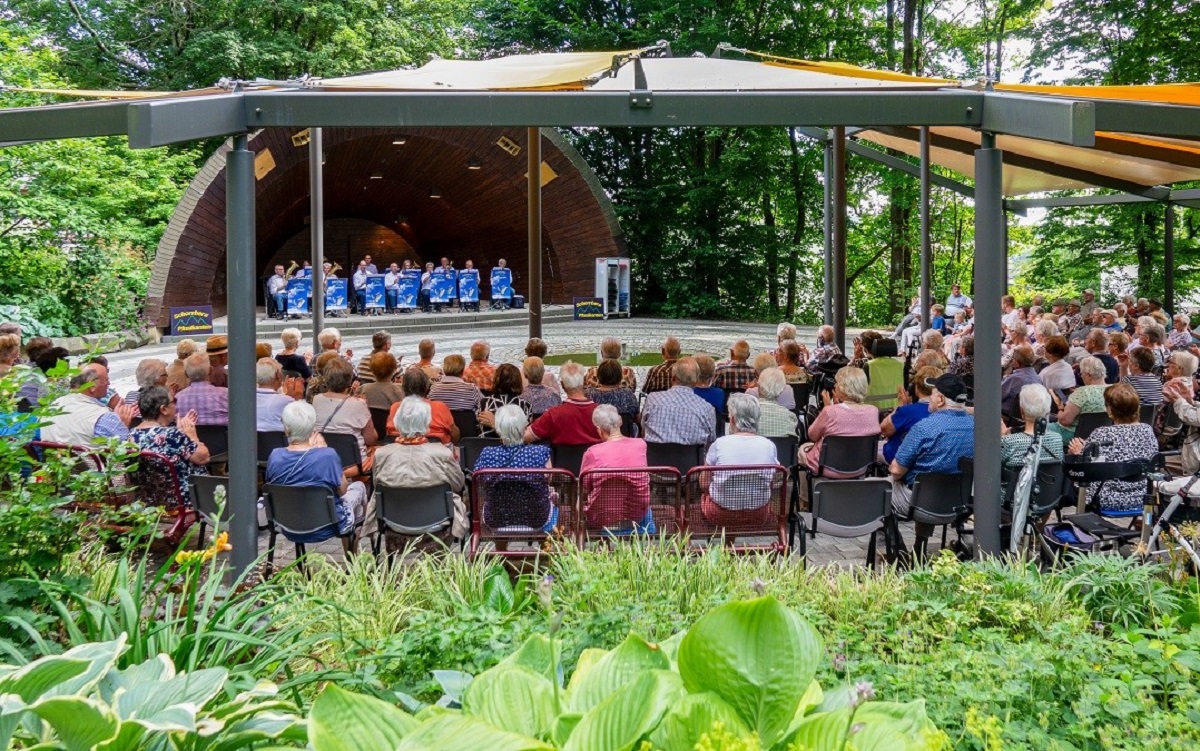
[
  {"x": 408, "y": 287},
  {"x": 336, "y": 296},
  {"x": 502, "y": 284},
  {"x": 468, "y": 285},
  {"x": 442, "y": 285},
  {"x": 192, "y": 321},
  {"x": 376, "y": 294},
  {"x": 299, "y": 291}
]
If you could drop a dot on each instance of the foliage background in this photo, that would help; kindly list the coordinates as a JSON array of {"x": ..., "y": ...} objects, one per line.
[{"x": 721, "y": 222}]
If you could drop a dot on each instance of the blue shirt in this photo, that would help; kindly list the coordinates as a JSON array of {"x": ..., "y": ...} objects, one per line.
[
  {"x": 939, "y": 323},
  {"x": 712, "y": 395},
  {"x": 315, "y": 468},
  {"x": 936, "y": 443},
  {"x": 903, "y": 418}
]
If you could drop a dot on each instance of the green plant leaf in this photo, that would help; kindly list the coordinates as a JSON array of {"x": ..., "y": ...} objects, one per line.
[
  {"x": 825, "y": 731},
  {"x": 693, "y": 716},
  {"x": 670, "y": 646},
  {"x": 564, "y": 725},
  {"x": 147, "y": 702},
  {"x": 454, "y": 683},
  {"x": 456, "y": 732},
  {"x": 80, "y": 723},
  {"x": 811, "y": 700},
  {"x": 344, "y": 721},
  {"x": 498, "y": 590},
  {"x": 587, "y": 660},
  {"x": 628, "y": 714},
  {"x": 890, "y": 726},
  {"x": 539, "y": 654},
  {"x": 614, "y": 670},
  {"x": 513, "y": 698},
  {"x": 38, "y": 677},
  {"x": 102, "y": 656},
  {"x": 759, "y": 656}
]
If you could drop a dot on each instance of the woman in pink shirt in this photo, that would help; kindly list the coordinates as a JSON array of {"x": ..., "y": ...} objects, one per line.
[
  {"x": 846, "y": 415},
  {"x": 616, "y": 500}
]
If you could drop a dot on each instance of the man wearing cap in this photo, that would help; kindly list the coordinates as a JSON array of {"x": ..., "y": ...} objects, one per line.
[
  {"x": 957, "y": 301},
  {"x": 217, "y": 349},
  {"x": 1072, "y": 321},
  {"x": 1109, "y": 321},
  {"x": 934, "y": 444},
  {"x": 1089, "y": 306}
]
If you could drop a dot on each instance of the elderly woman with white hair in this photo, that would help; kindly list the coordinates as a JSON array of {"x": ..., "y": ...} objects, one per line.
[
  {"x": 519, "y": 503},
  {"x": 1181, "y": 333},
  {"x": 616, "y": 500},
  {"x": 845, "y": 414},
  {"x": 414, "y": 461},
  {"x": 1086, "y": 399},
  {"x": 762, "y": 362},
  {"x": 774, "y": 419},
  {"x": 307, "y": 462},
  {"x": 728, "y": 498},
  {"x": 149, "y": 373},
  {"x": 1034, "y": 400}
]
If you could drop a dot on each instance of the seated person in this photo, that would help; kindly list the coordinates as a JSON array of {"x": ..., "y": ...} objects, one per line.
[
  {"x": 786, "y": 397},
  {"x": 269, "y": 400},
  {"x": 307, "y": 462},
  {"x": 608, "y": 389},
  {"x": 441, "y": 423},
  {"x": 541, "y": 397},
  {"x": 677, "y": 415},
  {"x": 290, "y": 358},
  {"x": 175, "y": 438},
  {"x": 507, "y": 387},
  {"x": 536, "y": 347},
  {"x": 704, "y": 388},
  {"x": 897, "y": 424},
  {"x": 383, "y": 391},
  {"x": 520, "y": 502},
  {"x": 82, "y": 417},
  {"x": 1034, "y": 402},
  {"x": 1058, "y": 374},
  {"x": 1140, "y": 364},
  {"x": 339, "y": 412},
  {"x": 732, "y": 498},
  {"x": 413, "y": 461},
  {"x": 788, "y": 358},
  {"x": 610, "y": 349},
  {"x": 844, "y": 414},
  {"x": 452, "y": 389},
  {"x": 570, "y": 423},
  {"x": 1086, "y": 399},
  {"x": 1125, "y": 440},
  {"x": 209, "y": 402},
  {"x": 1022, "y": 375},
  {"x": 616, "y": 500},
  {"x": 774, "y": 419}
]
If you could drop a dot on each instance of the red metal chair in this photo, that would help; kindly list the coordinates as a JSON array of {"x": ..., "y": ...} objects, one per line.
[
  {"x": 741, "y": 502},
  {"x": 626, "y": 501},
  {"x": 521, "y": 505},
  {"x": 156, "y": 481}
]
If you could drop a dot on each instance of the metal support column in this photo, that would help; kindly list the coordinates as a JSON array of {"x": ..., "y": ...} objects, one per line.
[
  {"x": 316, "y": 228},
  {"x": 240, "y": 279},
  {"x": 1169, "y": 257},
  {"x": 534, "y": 149},
  {"x": 926, "y": 250},
  {"x": 840, "y": 307},
  {"x": 827, "y": 264},
  {"x": 989, "y": 288}
]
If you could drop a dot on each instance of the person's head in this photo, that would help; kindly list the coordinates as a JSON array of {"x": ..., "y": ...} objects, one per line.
[
  {"x": 469, "y": 264},
  {"x": 293, "y": 384},
  {"x": 1121, "y": 309},
  {"x": 426, "y": 349},
  {"x": 966, "y": 346},
  {"x": 454, "y": 365},
  {"x": 394, "y": 267},
  {"x": 330, "y": 339},
  {"x": 157, "y": 405},
  {"x": 510, "y": 424},
  {"x": 948, "y": 391},
  {"x": 217, "y": 349},
  {"x": 92, "y": 380},
  {"x": 1122, "y": 404},
  {"x": 610, "y": 348},
  {"x": 1096, "y": 341},
  {"x": 686, "y": 372},
  {"x": 415, "y": 383},
  {"x": 197, "y": 367},
  {"x": 290, "y": 338},
  {"x": 571, "y": 376},
  {"x": 1035, "y": 402},
  {"x": 10, "y": 349},
  {"x": 507, "y": 381},
  {"x": 791, "y": 353},
  {"x": 1143, "y": 322},
  {"x": 11, "y": 327},
  {"x": 381, "y": 341},
  {"x": 1018, "y": 335},
  {"x": 480, "y": 351},
  {"x": 50, "y": 358},
  {"x": 743, "y": 413},
  {"x": 1057, "y": 348},
  {"x": 325, "y": 268},
  {"x": 445, "y": 262},
  {"x": 323, "y": 359},
  {"x": 762, "y": 361},
  {"x": 931, "y": 357},
  {"x": 607, "y": 421},
  {"x": 850, "y": 385},
  {"x": 922, "y": 378},
  {"x": 1092, "y": 370},
  {"x": 960, "y": 317},
  {"x": 1118, "y": 343},
  {"x": 1088, "y": 295},
  {"x": 1022, "y": 357},
  {"x": 609, "y": 373},
  {"x": 771, "y": 383},
  {"x": 1045, "y": 330},
  {"x": 1181, "y": 365},
  {"x": 186, "y": 349},
  {"x": 150, "y": 373},
  {"x": 1160, "y": 318},
  {"x": 1181, "y": 321},
  {"x": 37, "y": 345},
  {"x": 1141, "y": 361},
  {"x": 671, "y": 348},
  {"x": 935, "y": 310},
  {"x": 1007, "y": 303},
  {"x": 299, "y": 420},
  {"x": 279, "y": 269},
  {"x": 785, "y": 332},
  {"x": 535, "y": 347},
  {"x": 1153, "y": 335},
  {"x": 707, "y": 368},
  {"x": 932, "y": 339},
  {"x": 1073, "y": 306},
  {"x": 408, "y": 264},
  {"x": 383, "y": 366},
  {"x": 534, "y": 370},
  {"x": 501, "y": 263},
  {"x": 825, "y": 334},
  {"x": 262, "y": 349},
  {"x": 868, "y": 339},
  {"x": 412, "y": 417},
  {"x": 338, "y": 376},
  {"x": 429, "y": 266},
  {"x": 366, "y": 260},
  {"x": 956, "y": 289},
  {"x": 1108, "y": 317}
]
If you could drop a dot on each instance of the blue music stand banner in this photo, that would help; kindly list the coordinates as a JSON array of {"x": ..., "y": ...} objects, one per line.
[
  {"x": 409, "y": 285},
  {"x": 468, "y": 285},
  {"x": 336, "y": 297},
  {"x": 376, "y": 292},
  {"x": 299, "y": 291},
  {"x": 441, "y": 285},
  {"x": 502, "y": 284}
]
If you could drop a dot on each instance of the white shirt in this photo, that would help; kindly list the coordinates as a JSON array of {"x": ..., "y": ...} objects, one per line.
[
  {"x": 1058, "y": 375},
  {"x": 276, "y": 284},
  {"x": 360, "y": 279},
  {"x": 955, "y": 303},
  {"x": 391, "y": 279},
  {"x": 270, "y": 409},
  {"x": 371, "y": 269}
]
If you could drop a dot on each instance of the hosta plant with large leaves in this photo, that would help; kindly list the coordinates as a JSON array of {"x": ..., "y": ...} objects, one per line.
[{"x": 743, "y": 675}]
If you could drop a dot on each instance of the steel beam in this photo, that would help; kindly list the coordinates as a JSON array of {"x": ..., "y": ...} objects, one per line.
[
  {"x": 861, "y": 149},
  {"x": 1169, "y": 258},
  {"x": 167, "y": 121},
  {"x": 1147, "y": 119},
  {"x": 827, "y": 224},
  {"x": 241, "y": 277},
  {"x": 1024, "y": 204},
  {"x": 78, "y": 120},
  {"x": 989, "y": 280},
  {"x": 1070, "y": 121},
  {"x": 838, "y": 279},
  {"x": 316, "y": 230},
  {"x": 534, "y": 187},
  {"x": 926, "y": 250}
]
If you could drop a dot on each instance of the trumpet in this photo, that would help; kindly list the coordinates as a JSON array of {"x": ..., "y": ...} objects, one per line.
[{"x": 287, "y": 275}]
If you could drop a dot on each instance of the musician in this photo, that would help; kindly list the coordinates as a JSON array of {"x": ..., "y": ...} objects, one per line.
[
  {"x": 371, "y": 269},
  {"x": 448, "y": 270},
  {"x": 391, "y": 285},
  {"x": 469, "y": 267},
  {"x": 327, "y": 270},
  {"x": 277, "y": 289},
  {"x": 426, "y": 281},
  {"x": 360, "y": 285},
  {"x": 501, "y": 303},
  {"x": 305, "y": 270}
]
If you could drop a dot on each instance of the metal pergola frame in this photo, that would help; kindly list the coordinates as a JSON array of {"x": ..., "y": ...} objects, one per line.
[{"x": 160, "y": 122}]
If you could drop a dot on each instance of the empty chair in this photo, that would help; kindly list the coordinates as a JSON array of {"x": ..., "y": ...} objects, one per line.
[
  {"x": 413, "y": 512},
  {"x": 937, "y": 501},
  {"x": 681, "y": 456},
  {"x": 520, "y": 505},
  {"x": 216, "y": 438},
  {"x": 785, "y": 448},
  {"x": 203, "y": 492},
  {"x": 467, "y": 423},
  {"x": 733, "y": 502},
  {"x": 843, "y": 457},
  {"x": 630, "y": 500},
  {"x": 1089, "y": 421},
  {"x": 568, "y": 456},
  {"x": 305, "y": 516},
  {"x": 268, "y": 441},
  {"x": 847, "y": 509},
  {"x": 801, "y": 392}
]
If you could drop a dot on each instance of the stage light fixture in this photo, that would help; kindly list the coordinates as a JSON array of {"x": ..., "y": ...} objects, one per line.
[
  {"x": 435, "y": 193},
  {"x": 474, "y": 163},
  {"x": 399, "y": 141}
]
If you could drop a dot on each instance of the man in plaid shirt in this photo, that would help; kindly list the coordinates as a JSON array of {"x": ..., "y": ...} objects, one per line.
[
  {"x": 677, "y": 415},
  {"x": 480, "y": 372},
  {"x": 737, "y": 373},
  {"x": 659, "y": 377}
]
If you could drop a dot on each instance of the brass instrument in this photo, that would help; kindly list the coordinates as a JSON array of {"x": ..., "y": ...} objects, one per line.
[
  {"x": 287, "y": 275},
  {"x": 334, "y": 267}
]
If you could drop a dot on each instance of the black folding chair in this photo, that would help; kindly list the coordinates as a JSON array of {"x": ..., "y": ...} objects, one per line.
[
  {"x": 568, "y": 457},
  {"x": 379, "y": 418},
  {"x": 268, "y": 441},
  {"x": 413, "y": 512},
  {"x": 849, "y": 509},
  {"x": 1089, "y": 421},
  {"x": 216, "y": 440},
  {"x": 851, "y": 457},
  {"x": 468, "y": 424},
  {"x": 203, "y": 492},
  {"x": 346, "y": 447},
  {"x": 936, "y": 502},
  {"x": 681, "y": 456},
  {"x": 302, "y": 512},
  {"x": 1148, "y": 412},
  {"x": 470, "y": 449}
]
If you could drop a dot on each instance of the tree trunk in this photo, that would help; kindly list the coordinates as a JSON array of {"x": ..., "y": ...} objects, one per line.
[
  {"x": 772, "y": 255},
  {"x": 889, "y": 38},
  {"x": 1147, "y": 242},
  {"x": 798, "y": 234},
  {"x": 910, "y": 25}
]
